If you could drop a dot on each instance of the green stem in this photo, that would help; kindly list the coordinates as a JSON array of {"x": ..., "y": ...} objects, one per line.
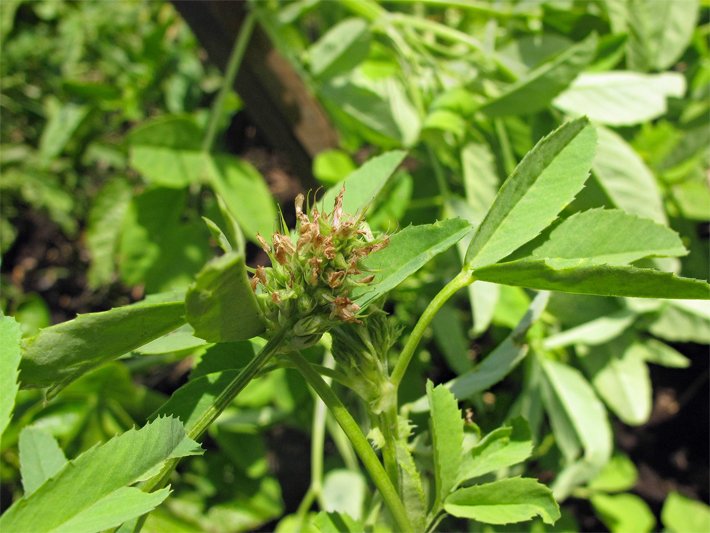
[
  {"x": 362, "y": 447},
  {"x": 463, "y": 279},
  {"x": 235, "y": 59},
  {"x": 388, "y": 426},
  {"x": 195, "y": 431}
]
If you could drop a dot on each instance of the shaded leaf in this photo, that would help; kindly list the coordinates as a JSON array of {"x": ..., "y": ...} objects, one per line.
[
  {"x": 683, "y": 322},
  {"x": 596, "y": 331},
  {"x": 341, "y": 49},
  {"x": 603, "y": 280},
  {"x": 499, "y": 363},
  {"x": 104, "y": 228},
  {"x": 618, "y": 475},
  {"x": 344, "y": 491},
  {"x": 507, "y": 501},
  {"x": 59, "y": 129},
  {"x": 221, "y": 305},
  {"x": 244, "y": 192},
  {"x": 63, "y": 352},
  {"x": 545, "y": 181},
  {"x": 536, "y": 90}
]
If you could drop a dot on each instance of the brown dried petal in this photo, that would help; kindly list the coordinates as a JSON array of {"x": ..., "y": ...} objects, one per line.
[
  {"x": 264, "y": 245},
  {"x": 335, "y": 279},
  {"x": 283, "y": 248}
]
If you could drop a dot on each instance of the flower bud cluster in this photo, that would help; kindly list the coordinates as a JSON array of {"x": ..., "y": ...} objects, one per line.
[
  {"x": 361, "y": 353},
  {"x": 308, "y": 288}
]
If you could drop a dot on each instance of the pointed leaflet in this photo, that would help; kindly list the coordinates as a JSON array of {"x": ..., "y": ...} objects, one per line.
[
  {"x": 603, "y": 280},
  {"x": 121, "y": 505},
  {"x": 96, "y": 474},
  {"x": 446, "y": 428},
  {"x": 536, "y": 90},
  {"x": 408, "y": 251},
  {"x": 622, "y": 513},
  {"x": 365, "y": 183},
  {"x": 505, "y": 446},
  {"x": 40, "y": 458},
  {"x": 681, "y": 514},
  {"x": 566, "y": 389},
  {"x": 625, "y": 178},
  {"x": 410, "y": 484},
  {"x": 620, "y": 376},
  {"x": 10, "y": 335},
  {"x": 63, "y": 352},
  {"x": 507, "y": 501},
  {"x": 544, "y": 182},
  {"x": 341, "y": 49},
  {"x": 608, "y": 236},
  {"x": 620, "y": 98},
  {"x": 221, "y": 305}
]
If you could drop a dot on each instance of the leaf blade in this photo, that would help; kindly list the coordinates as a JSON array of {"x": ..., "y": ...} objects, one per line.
[
  {"x": 601, "y": 280},
  {"x": 544, "y": 182},
  {"x": 10, "y": 356}
]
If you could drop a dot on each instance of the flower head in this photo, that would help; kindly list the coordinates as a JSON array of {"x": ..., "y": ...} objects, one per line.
[{"x": 309, "y": 286}]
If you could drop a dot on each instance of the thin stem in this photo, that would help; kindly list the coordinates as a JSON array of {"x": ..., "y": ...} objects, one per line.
[
  {"x": 317, "y": 441},
  {"x": 388, "y": 426},
  {"x": 463, "y": 279},
  {"x": 235, "y": 60},
  {"x": 362, "y": 447},
  {"x": 195, "y": 431}
]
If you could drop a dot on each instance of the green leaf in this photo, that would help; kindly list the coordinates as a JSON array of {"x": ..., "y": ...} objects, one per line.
[
  {"x": 411, "y": 488},
  {"x": 40, "y": 458},
  {"x": 451, "y": 338},
  {"x": 446, "y": 428},
  {"x": 221, "y": 305},
  {"x": 659, "y": 353},
  {"x": 625, "y": 178},
  {"x": 505, "y": 446},
  {"x": 118, "y": 507},
  {"x": 10, "y": 335},
  {"x": 507, "y": 501},
  {"x": 364, "y": 184},
  {"x": 499, "y": 363},
  {"x": 544, "y": 182},
  {"x": 341, "y": 49},
  {"x": 683, "y": 322},
  {"x": 332, "y": 166},
  {"x": 618, "y": 475},
  {"x": 681, "y": 514},
  {"x": 325, "y": 522},
  {"x": 344, "y": 491},
  {"x": 167, "y": 151},
  {"x": 63, "y": 352},
  {"x": 658, "y": 32},
  {"x": 603, "y": 280},
  {"x": 104, "y": 228},
  {"x": 408, "y": 251},
  {"x": 61, "y": 126},
  {"x": 156, "y": 247},
  {"x": 620, "y": 98},
  {"x": 244, "y": 192},
  {"x": 594, "y": 332},
  {"x": 621, "y": 378},
  {"x": 95, "y": 475},
  {"x": 569, "y": 395},
  {"x": 623, "y": 512},
  {"x": 536, "y": 90},
  {"x": 608, "y": 236}
]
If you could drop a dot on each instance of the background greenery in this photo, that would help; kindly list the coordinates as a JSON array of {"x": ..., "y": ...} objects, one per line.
[{"x": 105, "y": 179}]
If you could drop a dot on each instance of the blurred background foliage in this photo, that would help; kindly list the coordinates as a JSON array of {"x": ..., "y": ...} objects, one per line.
[{"x": 105, "y": 178}]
